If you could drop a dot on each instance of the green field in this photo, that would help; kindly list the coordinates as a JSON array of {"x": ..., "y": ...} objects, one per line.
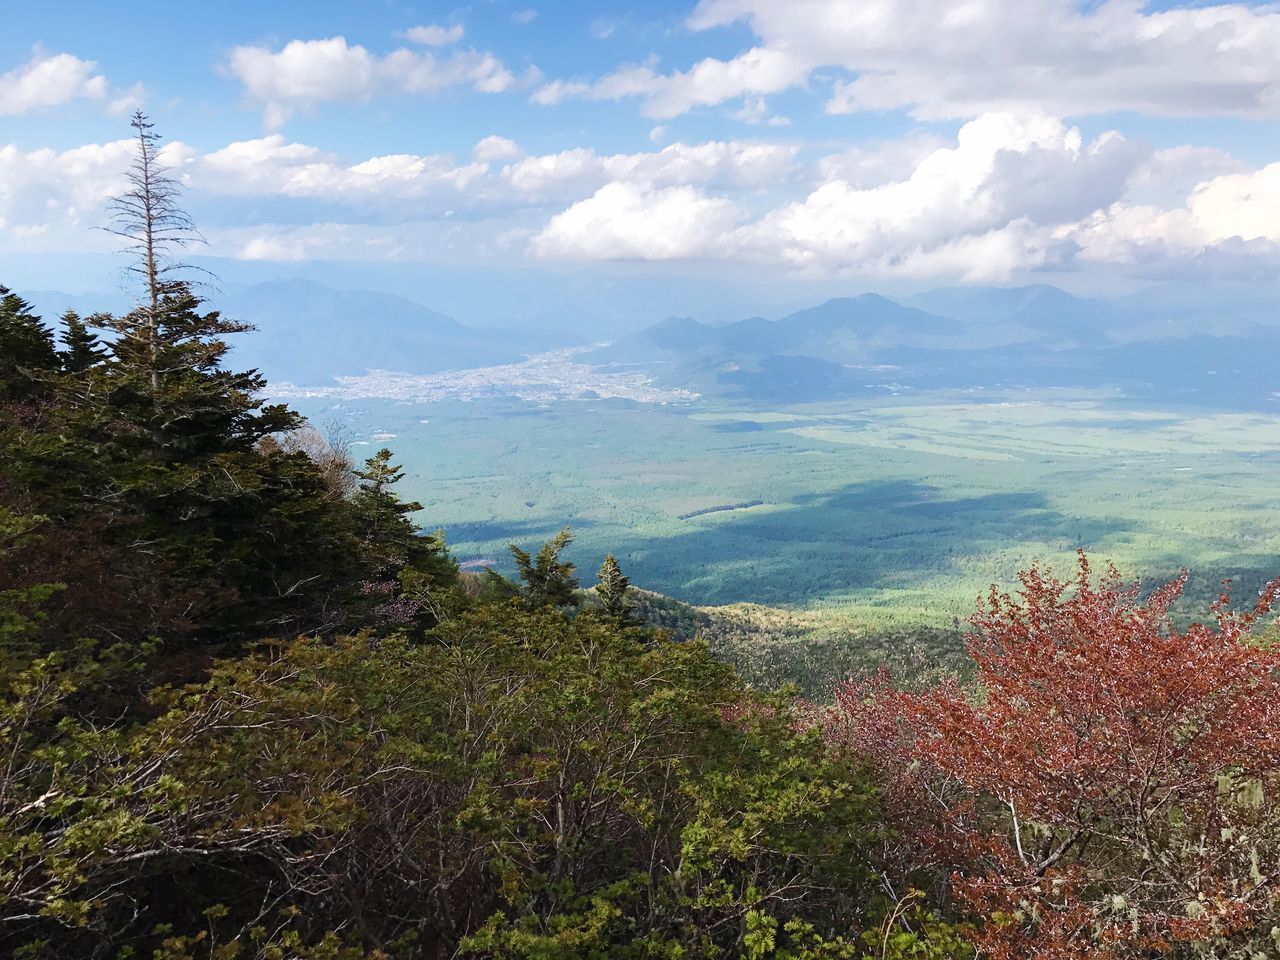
[{"x": 893, "y": 511}]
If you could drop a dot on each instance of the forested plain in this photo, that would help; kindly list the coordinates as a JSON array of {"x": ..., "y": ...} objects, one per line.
[
  {"x": 252, "y": 709},
  {"x": 893, "y": 511}
]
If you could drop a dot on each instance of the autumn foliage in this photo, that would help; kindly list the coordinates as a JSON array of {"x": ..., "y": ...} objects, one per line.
[{"x": 1112, "y": 790}]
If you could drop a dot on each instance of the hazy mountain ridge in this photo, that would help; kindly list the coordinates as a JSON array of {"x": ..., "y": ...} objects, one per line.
[
  {"x": 1165, "y": 347},
  {"x": 969, "y": 338},
  {"x": 308, "y": 332}
]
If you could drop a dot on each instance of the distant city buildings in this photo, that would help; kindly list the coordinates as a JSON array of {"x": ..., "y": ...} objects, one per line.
[{"x": 540, "y": 379}]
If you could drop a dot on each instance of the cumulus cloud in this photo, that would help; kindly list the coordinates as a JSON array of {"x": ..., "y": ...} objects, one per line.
[
  {"x": 627, "y": 221},
  {"x": 1008, "y": 195},
  {"x": 434, "y": 35},
  {"x": 758, "y": 72},
  {"x": 496, "y": 148},
  {"x": 730, "y": 164},
  {"x": 1012, "y": 194},
  {"x": 304, "y": 73},
  {"x": 49, "y": 80},
  {"x": 273, "y": 166},
  {"x": 1238, "y": 213},
  {"x": 60, "y": 194},
  {"x": 942, "y": 59},
  {"x": 1005, "y": 176}
]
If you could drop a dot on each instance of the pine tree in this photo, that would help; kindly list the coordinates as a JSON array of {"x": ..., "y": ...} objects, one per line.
[
  {"x": 612, "y": 590},
  {"x": 165, "y": 377},
  {"x": 548, "y": 580},
  {"x": 27, "y": 353},
  {"x": 383, "y": 526},
  {"x": 410, "y": 577},
  {"x": 149, "y": 216},
  {"x": 81, "y": 348},
  {"x": 158, "y": 444}
]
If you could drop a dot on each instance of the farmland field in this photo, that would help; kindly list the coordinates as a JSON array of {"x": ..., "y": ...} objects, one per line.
[{"x": 890, "y": 511}]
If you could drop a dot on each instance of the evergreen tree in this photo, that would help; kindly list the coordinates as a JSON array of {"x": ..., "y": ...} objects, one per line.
[
  {"x": 149, "y": 216},
  {"x": 410, "y": 576},
  {"x": 166, "y": 382},
  {"x": 389, "y": 537},
  {"x": 27, "y": 351},
  {"x": 81, "y": 348},
  {"x": 548, "y": 579},
  {"x": 158, "y": 444},
  {"x": 611, "y": 589}
]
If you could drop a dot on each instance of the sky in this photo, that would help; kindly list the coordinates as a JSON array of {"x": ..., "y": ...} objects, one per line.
[{"x": 899, "y": 143}]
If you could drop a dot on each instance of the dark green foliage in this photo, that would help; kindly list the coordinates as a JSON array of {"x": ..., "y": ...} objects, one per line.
[
  {"x": 27, "y": 354},
  {"x": 548, "y": 579},
  {"x": 166, "y": 505},
  {"x": 383, "y": 526},
  {"x": 159, "y": 450},
  {"x": 81, "y": 348},
  {"x": 410, "y": 576},
  {"x": 612, "y": 592}
]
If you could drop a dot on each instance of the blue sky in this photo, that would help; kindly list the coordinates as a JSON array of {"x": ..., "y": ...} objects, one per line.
[{"x": 913, "y": 142}]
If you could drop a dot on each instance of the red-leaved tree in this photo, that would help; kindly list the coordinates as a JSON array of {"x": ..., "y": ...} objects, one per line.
[{"x": 1109, "y": 789}]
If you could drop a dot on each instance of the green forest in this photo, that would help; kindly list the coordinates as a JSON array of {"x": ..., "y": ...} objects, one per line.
[{"x": 251, "y": 709}]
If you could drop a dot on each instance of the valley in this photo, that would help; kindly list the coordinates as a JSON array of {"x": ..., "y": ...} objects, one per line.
[{"x": 888, "y": 512}]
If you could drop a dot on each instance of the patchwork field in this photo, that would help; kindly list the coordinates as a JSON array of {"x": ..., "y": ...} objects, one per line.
[{"x": 889, "y": 512}]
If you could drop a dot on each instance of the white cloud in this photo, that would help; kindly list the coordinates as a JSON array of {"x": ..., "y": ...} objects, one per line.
[
  {"x": 990, "y": 198},
  {"x": 434, "y": 35},
  {"x": 49, "y": 80},
  {"x": 731, "y": 164},
  {"x": 496, "y": 148},
  {"x": 757, "y": 72},
  {"x": 879, "y": 161},
  {"x": 755, "y": 111},
  {"x": 272, "y": 166},
  {"x": 307, "y": 72},
  {"x": 1012, "y": 194},
  {"x": 1008, "y": 195},
  {"x": 60, "y": 194},
  {"x": 625, "y": 221},
  {"x": 523, "y": 17},
  {"x": 1235, "y": 212},
  {"x": 943, "y": 59}
]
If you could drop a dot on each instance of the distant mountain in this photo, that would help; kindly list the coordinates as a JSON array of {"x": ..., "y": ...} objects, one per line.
[
  {"x": 1184, "y": 343},
  {"x": 843, "y": 330},
  {"x": 307, "y": 332},
  {"x": 52, "y": 304},
  {"x": 1000, "y": 315},
  {"x": 965, "y": 338}
]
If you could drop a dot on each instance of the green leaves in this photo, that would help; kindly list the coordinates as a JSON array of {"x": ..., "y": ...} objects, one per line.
[{"x": 548, "y": 579}]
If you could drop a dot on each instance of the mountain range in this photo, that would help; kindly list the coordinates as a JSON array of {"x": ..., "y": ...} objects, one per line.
[{"x": 1206, "y": 349}]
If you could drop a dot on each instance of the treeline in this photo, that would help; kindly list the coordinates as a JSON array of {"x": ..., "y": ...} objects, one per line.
[{"x": 250, "y": 710}]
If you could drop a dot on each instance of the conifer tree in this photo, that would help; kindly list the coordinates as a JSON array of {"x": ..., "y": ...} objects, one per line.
[
  {"x": 612, "y": 590},
  {"x": 149, "y": 216},
  {"x": 158, "y": 444},
  {"x": 548, "y": 579},
  {"x": 410, "y": 576},
  {"x": 27, "y": 351},
  {"x": 81, "y": 348},
  {"x": 383, "y": 525}
]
